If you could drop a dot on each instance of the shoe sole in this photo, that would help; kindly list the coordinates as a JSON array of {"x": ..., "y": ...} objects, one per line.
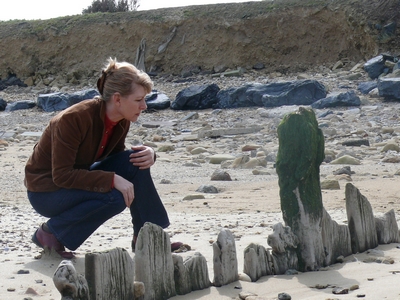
[{"x": 36, "y": 241}]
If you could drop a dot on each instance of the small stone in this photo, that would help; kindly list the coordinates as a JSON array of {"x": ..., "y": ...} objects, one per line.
[
  {"x": 360, "y": 295},
  {"x": 340, "y": 291},
  {"x": 220, "y": 175},
  {"x": 284, "y": 296},
  {"x": 23, "y": 272},
  {"x": 354, "y": 287},
  {"x": 165, "y": 181},
  {"x": 10, "y": 289},
  {"x": 330, "y": 185},
  {"x": 31, "y": 291},
  {"x": 193, "y": 197}
]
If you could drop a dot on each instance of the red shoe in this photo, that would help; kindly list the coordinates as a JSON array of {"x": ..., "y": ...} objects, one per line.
[
  {"x": 45, "y": 239},
  {"x": 175, "y": 246}
]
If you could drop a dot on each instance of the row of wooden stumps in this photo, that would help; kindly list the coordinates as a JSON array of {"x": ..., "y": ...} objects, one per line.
[
  {"x": 155, "y": 272},
  {"x": 309, "y": 240}
]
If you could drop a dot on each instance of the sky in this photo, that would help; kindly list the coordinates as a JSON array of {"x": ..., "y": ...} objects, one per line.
[{"x": 48, "y": 9}]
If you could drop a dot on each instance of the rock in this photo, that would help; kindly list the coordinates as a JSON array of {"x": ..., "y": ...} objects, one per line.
[
  {"x": 69, "y": 283},
  {"x": 139, "y": 289},
  {"x": 366, "y": 87},
  {"x": 301, "y": 92},
  {"x": 346, "y": 160},
  {"x": 340, "y": 291},
  {"x": 244, "y": 277},
  {"x": 166, "y": 148},
  {"x": 193, "y": 197},
  {"x": 196, "y": 97},
  {"x": 357, "y": 143},
  {"x": 156, "y": 100},
  {"x": 220, "y": 175},
  {"x": 3, "y": 104},
  {"x": 260, "y": 172},
  {"x": 218, "y": 158},
  {"x": 23, "y": 104},
  {"x": 338, "y": 99},
  {"x": 11, "y": 80},
  {"x": 391, "y": 147},
  {"x": 330, "y": 185},
  {"x": 389, "y": 88},
  {"x": 198, "y": 150},
  {"x": 250, "y": 147},
  {"x": 375, "y": 66},
  {"x": 345, "y": 170},
  {"x": 60, "y": 101},
  {"x": 284, "y": 296},
  {"x": 208, "y": 189}
]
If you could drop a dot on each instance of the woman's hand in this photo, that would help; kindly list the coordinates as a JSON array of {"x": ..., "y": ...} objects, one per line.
[
  {"x": 126, "y": 188},
  {"x": 143, "y": 158}
]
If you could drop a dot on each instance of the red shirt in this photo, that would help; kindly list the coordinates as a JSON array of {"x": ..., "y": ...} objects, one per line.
[{"x": 109, "y": 129}]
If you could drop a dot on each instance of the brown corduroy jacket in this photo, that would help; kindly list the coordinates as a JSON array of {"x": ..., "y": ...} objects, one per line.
[{"x": 68, "y": 147}]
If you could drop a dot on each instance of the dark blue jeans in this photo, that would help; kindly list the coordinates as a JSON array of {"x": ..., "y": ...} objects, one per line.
[{"x": 75, "y": 214}]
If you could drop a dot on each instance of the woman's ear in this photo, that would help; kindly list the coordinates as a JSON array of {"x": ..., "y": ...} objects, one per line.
[{"x": 116, "y": 98}]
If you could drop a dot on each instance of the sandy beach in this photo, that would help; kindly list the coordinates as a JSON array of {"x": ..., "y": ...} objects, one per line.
[{"x": 248, "y": 206}]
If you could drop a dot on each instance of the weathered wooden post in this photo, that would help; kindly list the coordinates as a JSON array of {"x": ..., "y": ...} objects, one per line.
[
  {"x": 361, "y": 220},
  {"x": 225, "y": 259},
  {"x": 153, "y": 263},
  {"x": 301, "y": 152},
  {"x": 110, "y": 275}
]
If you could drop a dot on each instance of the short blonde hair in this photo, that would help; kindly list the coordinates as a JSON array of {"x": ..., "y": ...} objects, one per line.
[{"x": 117, "y": 77}]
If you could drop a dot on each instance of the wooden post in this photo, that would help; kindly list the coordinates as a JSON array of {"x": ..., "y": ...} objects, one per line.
[{"x": 110, "y": 275}]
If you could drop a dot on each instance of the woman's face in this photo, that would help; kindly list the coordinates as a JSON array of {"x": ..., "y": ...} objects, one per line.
[{"x": 133, "y": 104}]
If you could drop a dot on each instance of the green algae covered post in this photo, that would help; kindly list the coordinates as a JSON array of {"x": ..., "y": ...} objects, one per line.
[{"x": 301, "y": 152}]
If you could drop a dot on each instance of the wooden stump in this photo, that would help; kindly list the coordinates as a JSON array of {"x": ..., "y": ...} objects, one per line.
[
  {"x": 153, "y": 262},
  {"x": 301, "y": 152},
  {"x": 284, "y": 245},
  {"x": 191, "y": 274},
  {"x": 336, "y": 239},
  {"x": 225, "y": 259},
  {"x": 110, "y": 275},
  {"x": 71, "y": 285},
  {"x": 257, "y": 262},
  {"x": 386, "y": 228},
  {"x": 361, "y": 220}
]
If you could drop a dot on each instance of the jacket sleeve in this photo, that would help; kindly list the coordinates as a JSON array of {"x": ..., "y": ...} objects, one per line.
[{"x": 68, "y": 136}]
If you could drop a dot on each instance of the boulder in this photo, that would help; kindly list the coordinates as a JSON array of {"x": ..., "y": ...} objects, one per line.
[{"x": 300, "y": 92}]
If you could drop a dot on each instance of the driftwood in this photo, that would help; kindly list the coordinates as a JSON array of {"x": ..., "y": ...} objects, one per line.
[
  {"x": 386, "y": 228},
  {"x": 191, "y": 274},
  {"x": 257, "y": 262},
  {"x": 361, "y": 220},
  {"x": 141, "y": 56},
  {"x": 71, "y": 285},
  {"x": 225, "y": 259},
  {"x": 335, "y": 238},
  {"x": 154, "y": 265},
  {"x": 110, "y": 275},
  {"x": 284, "y": 245}
]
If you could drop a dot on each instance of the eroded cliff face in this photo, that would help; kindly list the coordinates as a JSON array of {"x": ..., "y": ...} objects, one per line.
[{"x": 285, "y": 37}]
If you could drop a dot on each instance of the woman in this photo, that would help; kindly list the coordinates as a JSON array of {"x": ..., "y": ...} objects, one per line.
[{"x": 80, "y": 175}]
